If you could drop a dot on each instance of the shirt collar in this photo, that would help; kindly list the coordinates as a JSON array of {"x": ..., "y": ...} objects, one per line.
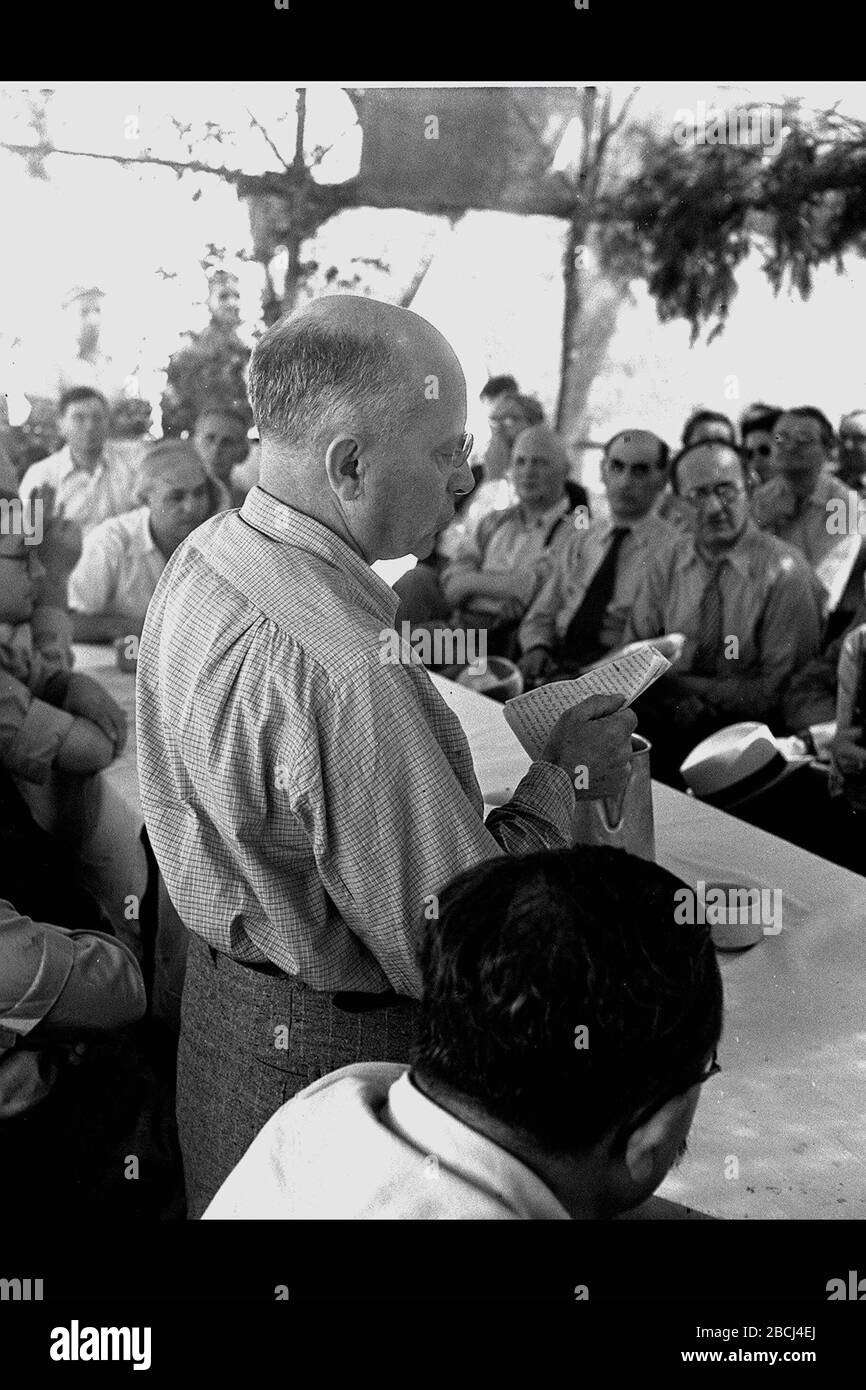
[
  {"x": 544, "y": 520},
  {"x": 471, "y": 1155},
  {"x": 142, "y": 521},
  {"x": 739, "y": 555},
  {"x": 68, "y": 464},
  {"x": 282, "y": 523}
]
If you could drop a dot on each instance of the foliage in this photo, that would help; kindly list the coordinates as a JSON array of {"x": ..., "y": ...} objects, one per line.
[{"x": 692, "y": 214}]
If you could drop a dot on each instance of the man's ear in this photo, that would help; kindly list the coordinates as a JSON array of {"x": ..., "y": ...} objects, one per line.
[
  {"x": 342, "y": 465},
  {"x": 646, "y": 1145}
]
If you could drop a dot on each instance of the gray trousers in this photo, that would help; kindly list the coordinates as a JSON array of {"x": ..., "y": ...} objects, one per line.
[{"x": 250, "y": 1039}]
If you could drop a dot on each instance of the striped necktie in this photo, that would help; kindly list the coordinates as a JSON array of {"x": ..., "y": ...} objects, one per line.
[{"x": 708, "y": 652}]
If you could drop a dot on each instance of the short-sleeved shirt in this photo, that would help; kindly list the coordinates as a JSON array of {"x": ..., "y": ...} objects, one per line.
[
  {"x": 119, "y": 569},
  {"x": 502, "y": 541},
  {"x": 84, "y": 497}
]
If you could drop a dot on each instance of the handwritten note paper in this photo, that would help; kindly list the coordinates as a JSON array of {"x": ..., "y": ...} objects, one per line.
[{"x": 533, "y": 715}]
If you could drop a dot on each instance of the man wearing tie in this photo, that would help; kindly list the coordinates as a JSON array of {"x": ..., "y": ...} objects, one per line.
[
  {"x": 580, "y": 612},
  {"x": 749, "y": 605}
]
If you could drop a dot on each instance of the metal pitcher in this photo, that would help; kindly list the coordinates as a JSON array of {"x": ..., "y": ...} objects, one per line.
[{"x": 624, "y": 822}]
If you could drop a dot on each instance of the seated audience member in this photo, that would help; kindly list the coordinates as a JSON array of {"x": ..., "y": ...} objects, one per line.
[
  {"x": 748, "y": 605},
  {"x": 757, "y": 436},
  {"x": 61, "y": 990},
  {"x": 793, "y": 505},
  {"x": 495, "y": 387},
  {"x": 705, "y": 425},
  {"x": 123, "y": 558},
  {"x": 420, "y": 589},
  {"x": 851, "y": 464},
  {"x": 505, "y": 1114},
  {"x": 849, "y": 748},
  {"x": 810, "y": 696},
  {"x": 220, "y": 439},
  {"x": 581, "y": 610},
  {"x": 50, "y": 716},
  {"x": 498, "y": 570},
  {"x": 91, "y": 477}
]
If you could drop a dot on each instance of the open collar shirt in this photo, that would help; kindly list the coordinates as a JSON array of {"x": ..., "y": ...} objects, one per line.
[
  {"x": 365, "y": 1144},
  {"x": 307, "y": 795}
]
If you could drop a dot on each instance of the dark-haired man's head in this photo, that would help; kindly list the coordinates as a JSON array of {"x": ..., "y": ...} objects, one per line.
[
  {"x": 634, "y": 470},
  {"x": 708, "y": 424},
  {"x": 498, "y": 386},
  {"x": 713, "y": 479},
  {"x": 220, "y": 438},
  {"x": 802, "y": 443},
  {"x": 83, "y": 421},
  {"x": 757, "y": 435},
  {"x": 570, "y": 1018},
  {"x": 511, "y": 413},
  {"x": 852, "y": 447}
]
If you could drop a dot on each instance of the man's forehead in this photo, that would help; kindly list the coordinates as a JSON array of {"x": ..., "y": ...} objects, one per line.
[
  {"x": 804, "y": 423},
  {"x": 635, "y": 445},
  {"x": 708, "y": 460}
]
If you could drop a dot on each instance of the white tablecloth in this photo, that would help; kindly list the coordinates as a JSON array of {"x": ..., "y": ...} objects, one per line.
[{"x": 788, "y": 1113}]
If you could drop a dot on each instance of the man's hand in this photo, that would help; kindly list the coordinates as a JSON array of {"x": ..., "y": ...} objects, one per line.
[
  {"x": 86, "y": 697},
  {"x": 535, "y": 665},
  {"x": 594, "y": 737},
  {"x": 61, "y": 546}
]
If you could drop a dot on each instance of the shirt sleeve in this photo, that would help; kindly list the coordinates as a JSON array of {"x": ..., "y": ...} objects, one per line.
[
  {"x": 31, "y": 731},
  {"x": 93, "y": 582},
  {"x": 391, "y": 822},
  {"x": 59, "y": 978},
  {"x": 850, "y": 664}
]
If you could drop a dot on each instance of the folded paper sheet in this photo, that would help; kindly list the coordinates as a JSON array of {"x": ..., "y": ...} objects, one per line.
[{"x": 533, "y": 715}]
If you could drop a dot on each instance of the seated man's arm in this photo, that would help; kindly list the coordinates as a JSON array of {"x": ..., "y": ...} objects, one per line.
[
  {"x": 59, "y": 984},
  {"x": 93, "y": 591},
  {"x": 538, "y": 628}
]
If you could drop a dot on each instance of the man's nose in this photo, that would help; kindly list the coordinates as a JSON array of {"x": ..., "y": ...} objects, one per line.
[{"x": 464, "y": 480}]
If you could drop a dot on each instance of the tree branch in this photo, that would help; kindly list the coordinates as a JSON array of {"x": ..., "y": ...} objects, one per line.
[{"x": 258, "y": 126}]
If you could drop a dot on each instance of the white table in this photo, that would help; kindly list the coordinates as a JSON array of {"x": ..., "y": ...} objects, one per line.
[{"x": 790, "y": 1104}]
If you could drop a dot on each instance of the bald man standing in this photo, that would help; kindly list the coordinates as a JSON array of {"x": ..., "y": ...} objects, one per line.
[{"x": 306, "y": 796}]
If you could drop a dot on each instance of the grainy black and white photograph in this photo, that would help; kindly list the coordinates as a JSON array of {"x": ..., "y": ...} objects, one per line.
[{"x": 433, "y": 658}]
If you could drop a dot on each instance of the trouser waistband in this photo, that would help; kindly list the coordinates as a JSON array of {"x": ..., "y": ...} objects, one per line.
[{"x": 348, "y": 1001}]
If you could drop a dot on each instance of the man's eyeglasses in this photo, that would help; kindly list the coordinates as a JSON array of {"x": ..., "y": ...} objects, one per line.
[
  {"x": 725, "y": 493},
  {"x": 677, "y": 1089},
  {"x": 452, "y": 459},
  {"x": 508, "y": 419},
  {"x": 758, "y": 451}
]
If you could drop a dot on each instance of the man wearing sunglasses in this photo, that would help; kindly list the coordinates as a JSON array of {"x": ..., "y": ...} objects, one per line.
[
  {"x": 757, "y": 435},
  {"x": 749, "y": 605},
  {"x": 552, "y": 1078}
]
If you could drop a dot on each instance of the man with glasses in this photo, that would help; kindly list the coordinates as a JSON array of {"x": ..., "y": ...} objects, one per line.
[
  {"x": 796, "y": 504},
  {"x": 748, "y": 604},
  {"x": 305, "y": 787},
  {"x": 504, "y": 1114},
  {"x": 580, "y": 612}
]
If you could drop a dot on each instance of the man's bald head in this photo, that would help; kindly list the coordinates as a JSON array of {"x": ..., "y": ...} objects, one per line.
[
  {"x": 343, "y": 361},
  {"x": 542, "y": 440},
  {"x": 540, "y": 466},
  {"x": 361, "y": 408}
]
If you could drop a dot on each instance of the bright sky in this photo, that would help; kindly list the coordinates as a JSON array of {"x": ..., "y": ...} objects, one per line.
[{"x": 494, "y": 286}]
